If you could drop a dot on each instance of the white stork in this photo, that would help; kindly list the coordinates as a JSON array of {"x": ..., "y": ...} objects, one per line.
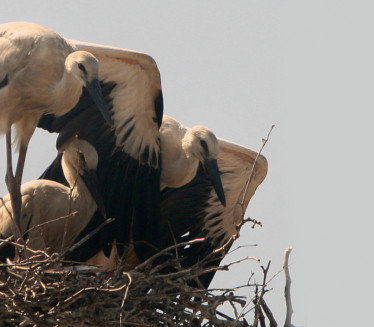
[
  {"x": 189, "y": 207},
  {"x": 40, "y": 72},
  {"x": 182, "y": 149},
  {"x": 195, "y": 210},
  {"x": 50, "y": 208},
  {"x": 129, "y": 153}
]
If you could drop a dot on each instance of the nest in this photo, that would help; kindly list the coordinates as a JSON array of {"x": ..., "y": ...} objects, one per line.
[{"x": 45, "y": 290}]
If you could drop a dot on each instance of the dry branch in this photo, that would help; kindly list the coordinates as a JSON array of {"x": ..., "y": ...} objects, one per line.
[{"x": 287, "y": 288}]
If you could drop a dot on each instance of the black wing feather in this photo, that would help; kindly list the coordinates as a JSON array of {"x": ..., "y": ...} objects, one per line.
[
  {"x": 130, "y": 189},
  {"x": 182, "y": 217}
]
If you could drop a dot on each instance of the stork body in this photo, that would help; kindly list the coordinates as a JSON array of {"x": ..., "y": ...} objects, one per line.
[
  {"x": 129, "y": 153},
  {"x": 47, "y": 206},
  {"x": 194, "y": 210},
  {"x": 40, "y": 72}
]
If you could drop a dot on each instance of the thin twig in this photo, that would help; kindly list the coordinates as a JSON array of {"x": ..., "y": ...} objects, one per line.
[
  {"x": 287, "y": 288},
  {"x": 263, "y": 290},
  {"x": 51, "y": 221},
  {"x": 84, "y": 239},
  {"x": 264, "y": 141},
  {"x": 4, "y": 242},
  {"x": 164, "y": 251},
  {"x": 124, "y": 299},
  {"x": 253, "y": 221},
  {"x": 269, "y": 314}
]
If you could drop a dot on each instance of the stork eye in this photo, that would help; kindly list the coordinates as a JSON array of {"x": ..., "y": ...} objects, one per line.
[{"x": 82, "y": 68}]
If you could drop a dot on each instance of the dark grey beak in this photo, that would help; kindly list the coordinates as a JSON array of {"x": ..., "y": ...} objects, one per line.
[
  {"x": 94, "y": 90},
  {"x": 211, "y": 169},
  {"x": 90, "y": 179}
]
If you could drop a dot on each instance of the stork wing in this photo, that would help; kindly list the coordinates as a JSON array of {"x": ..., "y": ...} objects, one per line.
[
  {"x": 194, "y": 211},
  {"x": 129, "y": 152}
]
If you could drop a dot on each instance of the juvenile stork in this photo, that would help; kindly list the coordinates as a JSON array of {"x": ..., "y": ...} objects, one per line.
[
  {"x": 40, "y": 72},
  {"x": 53, "y": 214}
]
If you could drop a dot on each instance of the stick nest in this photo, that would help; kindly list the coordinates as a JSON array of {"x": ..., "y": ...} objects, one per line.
[{"x": 48, "y": 291}]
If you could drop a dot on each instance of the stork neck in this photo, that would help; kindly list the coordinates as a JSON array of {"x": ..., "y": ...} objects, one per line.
[
  {"x": 191, "y": 165},
  {"x": 80, "y": 194},
  {"x": 72, "y": 176},
  {"x": 67, "y": 93},
  {"x": 187, "y": 158},
  {"x": 179, "y": 172}
]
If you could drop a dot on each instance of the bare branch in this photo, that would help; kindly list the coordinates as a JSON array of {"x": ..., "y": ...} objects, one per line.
[
  {"x": 287, "y": 288},
  {"x": 264, "y": 141},
  {"x": 258, "y": 311},
  {"x": 269, "y": 314}
]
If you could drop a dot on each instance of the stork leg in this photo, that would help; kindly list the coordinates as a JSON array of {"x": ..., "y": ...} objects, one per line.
[
  {"x": 20, "y": 164},
  {"x": 14, "y": 188}
]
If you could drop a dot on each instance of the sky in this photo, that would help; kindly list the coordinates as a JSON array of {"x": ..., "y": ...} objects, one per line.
[{"x": 239, "y": 67}]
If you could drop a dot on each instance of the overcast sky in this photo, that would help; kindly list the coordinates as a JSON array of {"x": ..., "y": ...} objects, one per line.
[{"x": 238, "y": 67}]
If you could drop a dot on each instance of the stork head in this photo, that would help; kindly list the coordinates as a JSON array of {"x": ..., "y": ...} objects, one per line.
[
  {"x": 85, "y": 68},
  {"x": 201, "y": 143},
  {"x": 80, "y": 159}
]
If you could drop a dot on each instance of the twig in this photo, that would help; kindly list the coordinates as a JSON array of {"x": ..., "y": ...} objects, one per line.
[
  {"x": 51, "y": 221},
  {"x": 124, "y": 299},
  {"x": 4, "y": 242},
  {"x": 269, "y": 314},
  {"x": 253, "y": 221},
  {"x": 287, "y": 288},
  {"x": 174, "y": 239},
  {"x": 264, "y": 141},
  {"x": 258, "y": 304},
  {"x": 164, "y": 251},
  {"x": 84, "y": 239}
]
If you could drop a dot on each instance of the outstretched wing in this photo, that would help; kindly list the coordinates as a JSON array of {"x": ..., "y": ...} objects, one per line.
[
  {"x": 194, "y": 211},
  {"x": 129, "y": 152}
]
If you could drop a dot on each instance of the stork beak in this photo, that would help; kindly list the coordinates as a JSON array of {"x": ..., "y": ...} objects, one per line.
[
  {"x": 90, "y": 179},
  {"x": 94, "y": 90},
  {"x": 211, "y": 169}
]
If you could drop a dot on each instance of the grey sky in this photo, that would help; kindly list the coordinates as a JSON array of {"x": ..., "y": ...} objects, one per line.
[{"x": 238, "y": 67}]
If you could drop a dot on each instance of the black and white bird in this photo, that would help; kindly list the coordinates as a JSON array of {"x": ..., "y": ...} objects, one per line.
[
  {"x": 40, "y": 72},
  {"x": 183, "y": 149},
  {"x": 129, "y": 153},
  {"x": 188, "y": 197},
  {"x": 53, "y": 214},
  {"x": 193, "y": 202}
]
